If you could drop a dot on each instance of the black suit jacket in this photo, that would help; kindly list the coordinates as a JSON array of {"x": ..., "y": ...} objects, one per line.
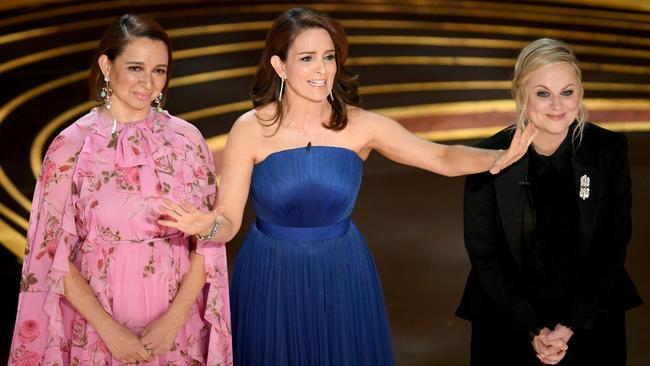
[{"x": 493, "y": 215}]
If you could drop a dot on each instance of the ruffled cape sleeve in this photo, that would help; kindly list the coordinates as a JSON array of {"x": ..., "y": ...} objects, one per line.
[
  {"x": 52, "y": 236},
  {"x": 217, "y": 305}
]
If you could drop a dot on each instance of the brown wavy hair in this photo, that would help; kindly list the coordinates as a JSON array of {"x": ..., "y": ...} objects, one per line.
[
  {"x": 281, "y": 36},
  {"x": 115, "y": 39}
]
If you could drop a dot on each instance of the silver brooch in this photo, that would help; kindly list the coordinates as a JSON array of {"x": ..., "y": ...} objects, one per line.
[{"x": 584, "y": 187}]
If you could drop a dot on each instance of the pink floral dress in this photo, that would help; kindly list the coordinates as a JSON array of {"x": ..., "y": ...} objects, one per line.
[{"x": 96, "y": 203}]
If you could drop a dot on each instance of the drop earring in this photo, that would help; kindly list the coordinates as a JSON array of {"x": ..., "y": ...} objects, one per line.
[
  {"x": 158, "y": 102},
  {"x": 331, "y": 95},
  {"x": 106, "y": 94},
  {"x": 281, "y": 90}
]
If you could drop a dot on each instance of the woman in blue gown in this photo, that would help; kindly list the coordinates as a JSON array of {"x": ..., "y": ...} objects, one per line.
[{"x": 305, "y": 290}]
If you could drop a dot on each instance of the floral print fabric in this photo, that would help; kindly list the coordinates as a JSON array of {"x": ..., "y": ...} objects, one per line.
[{"x": 96, "y": 203}]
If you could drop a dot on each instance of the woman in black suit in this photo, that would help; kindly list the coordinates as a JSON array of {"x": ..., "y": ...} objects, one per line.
[{"x": 547, "y": 237}]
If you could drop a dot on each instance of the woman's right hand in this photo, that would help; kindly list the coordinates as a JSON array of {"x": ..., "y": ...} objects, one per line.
[
  {"x": 186, "y": 218},
  {"x": 125, "y": 346}
]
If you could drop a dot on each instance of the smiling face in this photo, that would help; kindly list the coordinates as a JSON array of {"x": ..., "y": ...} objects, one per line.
[
  {"x": 553, "y": 102},
  {"x": 137, "y": 76},
  {"x": 310, "y": 66}
]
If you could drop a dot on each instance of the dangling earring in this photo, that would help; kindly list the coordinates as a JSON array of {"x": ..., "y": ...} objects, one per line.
[
  {"x": 331, "y": 95},
  {"x": 281, "y": 90},
  {"x": 106, "y": 93},
  {"x": 158, "y": 102}
]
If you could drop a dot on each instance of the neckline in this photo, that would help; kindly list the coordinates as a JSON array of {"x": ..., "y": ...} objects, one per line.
[
  {"x": 292, "y": 149},
  {"x": 108, "y": 117}
]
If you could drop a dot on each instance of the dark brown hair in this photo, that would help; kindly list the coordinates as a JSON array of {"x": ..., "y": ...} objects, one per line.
[
  {"x": 115, "y": 39},
  {"x": 283, "y": 32}
]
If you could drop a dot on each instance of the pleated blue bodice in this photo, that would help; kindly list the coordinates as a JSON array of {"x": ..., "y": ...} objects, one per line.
[{"x": 306, "y": 187}]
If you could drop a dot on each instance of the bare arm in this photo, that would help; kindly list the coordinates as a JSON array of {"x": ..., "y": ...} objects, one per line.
[
  {"x": 398, "y": 144},
  {"x": 235, "y": 181}
]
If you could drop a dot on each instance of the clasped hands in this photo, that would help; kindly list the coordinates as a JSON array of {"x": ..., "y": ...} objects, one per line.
[
  {"x": 156, "y": 339},
  {"x": 551, "y": 345}
]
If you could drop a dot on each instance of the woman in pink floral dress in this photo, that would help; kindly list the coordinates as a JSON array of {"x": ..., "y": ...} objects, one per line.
[{"x": 102, "y": 282}]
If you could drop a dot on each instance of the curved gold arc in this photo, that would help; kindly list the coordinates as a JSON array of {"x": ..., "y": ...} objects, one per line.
[
  {"x": 11, "y": 190},
  {"x": 47, "y": 54},
  {"x": 377, "y": 39},
  {"x": 218, "y": 49},
  {"x": 484, "y": 85},
  {"x": 68, "y": 10},
  {"x": 552, "y": 10},
  {"x": 212, "y": 76},
  {"x": 626, "y": 126},
  {"x": 434, "y": 86},
  {"x": 501, "y": 105},
  {"x": 217, "y": 110},
  {"x": 14, "y": 217},
  {"x": 486, "y": 13},
  {"x": 377, "y": 8},
  {"x": 488, "y": 43},
  {"x": 482, "y": 61},
  {"x": 217, "y": 143},
  {"x": 10, "y": 106},
  {"x": 219, "y": 28},
  {"x": 12, "y": 240},
  {"x": 13, "y": 4},
  {"x": 38, "y": 144},
  {"x": 430, "y": 60},
  {"x": 6, "y": 109},
  {"x": 511, "y": 30},
  {"x": 621, "y": 4}
]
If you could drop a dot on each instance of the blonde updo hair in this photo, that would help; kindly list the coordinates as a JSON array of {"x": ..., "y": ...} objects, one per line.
[{"x": 537, "y": 54}]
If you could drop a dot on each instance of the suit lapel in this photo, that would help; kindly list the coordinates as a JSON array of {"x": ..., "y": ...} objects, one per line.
[{"x": 511, "y": 195}]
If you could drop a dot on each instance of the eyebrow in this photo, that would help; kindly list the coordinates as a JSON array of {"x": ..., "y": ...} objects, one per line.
[
  {"x": 313, "y": 52},
  {"x": 545, "y": 87},
  {"x": 142, "y": 63}
]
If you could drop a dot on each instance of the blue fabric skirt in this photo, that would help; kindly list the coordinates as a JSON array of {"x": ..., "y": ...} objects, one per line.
[{"x": 308, "y": 302}]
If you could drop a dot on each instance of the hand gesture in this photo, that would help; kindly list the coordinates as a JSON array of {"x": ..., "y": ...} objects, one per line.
[
  {"x": 551, "y": 346},
  {"x": 518, "y": 147},
  {"x": 186, "y": 218},
  {"x": 159, "y": 336},
  {"x": 125, "y": 346}
]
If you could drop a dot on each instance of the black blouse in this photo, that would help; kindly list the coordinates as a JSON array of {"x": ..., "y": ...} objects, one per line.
[{"x": 551, "y": 224}]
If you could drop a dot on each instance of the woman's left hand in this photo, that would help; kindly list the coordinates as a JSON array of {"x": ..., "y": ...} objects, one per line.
[
  {"x": 518, "y": 147},
  {"x": 159, "y": 336}
]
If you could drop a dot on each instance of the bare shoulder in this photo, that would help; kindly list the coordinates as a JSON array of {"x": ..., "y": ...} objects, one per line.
[
  {"x": 366, "y": 119},
  {"x": 248, "y": 126}
]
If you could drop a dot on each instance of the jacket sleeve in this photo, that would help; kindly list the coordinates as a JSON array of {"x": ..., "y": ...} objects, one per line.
[{"x": 493, "y": 265}]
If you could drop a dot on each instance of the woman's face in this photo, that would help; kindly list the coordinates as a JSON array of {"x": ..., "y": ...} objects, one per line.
[
  {"x": 137, "y": 76},
  {"x": 554, "y": 95},
  {"x": 310, "y": 66}
]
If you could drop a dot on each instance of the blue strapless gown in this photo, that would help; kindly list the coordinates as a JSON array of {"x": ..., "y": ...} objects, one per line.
[{"x": 305, "y": 290}]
